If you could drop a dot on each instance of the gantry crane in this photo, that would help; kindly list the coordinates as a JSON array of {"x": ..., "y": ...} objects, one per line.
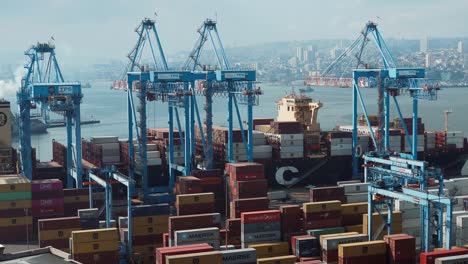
[
  {"x": 392, "y": 175},
  {"x": 44, "y": 84},
  {"x": 221, "y": 80}
]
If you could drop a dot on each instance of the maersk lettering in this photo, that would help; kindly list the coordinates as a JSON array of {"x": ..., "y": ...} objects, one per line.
[{"x": 236, "y": 257}]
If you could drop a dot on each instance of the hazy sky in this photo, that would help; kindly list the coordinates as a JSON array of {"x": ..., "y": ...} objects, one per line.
[{"x": 84, "y": 29}]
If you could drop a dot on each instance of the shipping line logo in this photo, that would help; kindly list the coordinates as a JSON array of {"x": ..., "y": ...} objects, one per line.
[{"x": 3, "y": 119}]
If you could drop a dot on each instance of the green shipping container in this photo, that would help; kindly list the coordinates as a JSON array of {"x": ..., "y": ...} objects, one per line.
[{"x": 15, "y": 196}]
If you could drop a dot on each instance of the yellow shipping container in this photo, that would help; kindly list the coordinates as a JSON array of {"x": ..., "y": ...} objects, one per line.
[
  {"x": 213, "y": 257},
  {"x": 369, "y": 248},
  {"x": 354, "y": 208},
  {"x": 105, "y": 234},
  {"x": 143, "y": 230},
  {"x": 56, "y": 234},
  {"x": 94, "y": 247},
  {"x": 355, "y": 228},
  {"x": 198, "y": 198},
  {"x": 268, "y": 250},
  {"x": 14, "y": 183},
  {"x": 322, "y": 237},
  {"x": 75, "y": 199},
  {"x": 377, "y": 219},
  {"x": 278, "y": 260},
  {"x": 151, "y": 220},
  {"x": 16, "y": 221},
  {"x": 5, "y": 205},
  {"x": 322, "y": 206}
]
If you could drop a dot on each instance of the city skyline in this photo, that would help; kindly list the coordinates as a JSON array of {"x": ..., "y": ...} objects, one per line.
[{"x": 85, "y": 30}]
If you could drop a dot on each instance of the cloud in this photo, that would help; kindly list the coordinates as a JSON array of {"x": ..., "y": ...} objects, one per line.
[{"x": 10, "y": 87}]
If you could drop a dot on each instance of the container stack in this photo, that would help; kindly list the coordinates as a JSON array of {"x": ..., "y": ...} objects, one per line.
[
  {"x": 291, "y": 221},
  {"x": 160, "y": 137},
  {"x": 214, "y": 257},
  {"x": 340, "y": 143},
  {"x": 455, "y": 215},
  {"x": 201, "y": 203},
  {"x": 305, "y": 246},
  {"x": 260, "y": 227},
  {"x": 6, "y": 152},
  {"x": 431, "y": 138},
  {"x": 261, "y": 150},
  {"x": 352, "y": 213},
  {"x": 15, "y": 209},
  {"x": 212, "y": 181},
  {"x": 363, "y": 252},
  {"x": 455, "y": 140},
  {"x": 322, "y": 194},
  {"x": 75, "y": 199},
  {"x": 95, "y": 246},
  {"x": 247, "y": 187},
  {"x": 377, "y": 221},
  {"x": 47, "y": 198},
  {"x": 110, "y": 148},
  {"x": 269, "y": 250},
  {"x": 410, "y": 214},
  {"x": 355, "y": 192},
  {"x": 163, "y": 253},
  {"x": 89, "y": 218},
  {"x": 462, "y": 231},
  {"x": 56, "y": 232},
  {"x": 233, "y": 229},
  {"x": 149, "y": 222},
  {"x": 405, "y": 146},
  {"x": 198, "y": 236},
  {"x": 401, "y": 248},
  {"x": 187, "y": 222},
  {"x": 330, "y": 245},
  {"x": 432, "y": 257},
  {"x": 322, "y": 214}
]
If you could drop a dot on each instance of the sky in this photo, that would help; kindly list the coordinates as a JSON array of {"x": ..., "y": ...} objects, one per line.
[{"x": 89, "y": 30}]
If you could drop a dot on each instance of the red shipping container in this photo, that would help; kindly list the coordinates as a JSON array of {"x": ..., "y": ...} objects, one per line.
[
  {"x": 162, "y": 253},
  {"x": 291, "y": 216},
  {"x": 190, "y": 184},
  {"x": 245, "y": 171},
  {"x": 147, "y": 240},
  {"x": 166, "y": 240},
  {"x": 250, "y": 189},
  {"x": 11, "y": 234},
  {"x": 327, "y": 194},
  {"x": 248, "y": 205},
  {"x": 192, "y": 209},
  {"x": 46, "y": 185},
  {"x": 233, "y": 225},
  {"x": 430, "y": 257},
  {"x": 101, "y": 257},
  {"x": 402, "y": 248},
  {"x": 261, "y": 217},
  {"x": 59, "y": 223}
]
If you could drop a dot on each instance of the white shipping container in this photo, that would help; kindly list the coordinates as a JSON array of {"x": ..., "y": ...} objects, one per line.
[
  {"x": 149, "y": 147},
  {"x": 292, "y": 149},
  {"x": 355, "y": 187},
  {"x": 291, "y": 155},
  {"x": 111, "y": 159},
  {"x": 356, "y": 198},
  {"x": 286, "y": 143},
  {"x": 341, "y": 141},
  {"x": 342, "y": 152},
  {"x": 332, "y": 243},
  {"x": 262, "y": 155},
  {"x": 262, "y": 149},
  {"x": 341, "y": 147},
  {"x": 259, "y": 141},
  {"x": 104, "y": 139},
  {"x": 196, "y": 235},
  {"x": 239, "y": 256},
  {"x": 149, "y": 162}
]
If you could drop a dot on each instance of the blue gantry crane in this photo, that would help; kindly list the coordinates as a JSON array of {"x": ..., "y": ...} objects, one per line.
[
  {"x": 44, "y": 84},
  {"x": 221, "y": 80},
  {"x": 392, "y": 175}
]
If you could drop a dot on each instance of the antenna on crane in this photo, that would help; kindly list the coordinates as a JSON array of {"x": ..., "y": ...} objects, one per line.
[{"x": 447, "y": 112}]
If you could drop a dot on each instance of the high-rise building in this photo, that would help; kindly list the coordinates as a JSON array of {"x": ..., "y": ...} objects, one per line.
[
  {"x": 299, "y": 52},
  {"x": 428, "y": 60},
  {"x": 423, "y": 45},
  {"x": 308, "y": 56},
  {"x": 460, "y": 47}
]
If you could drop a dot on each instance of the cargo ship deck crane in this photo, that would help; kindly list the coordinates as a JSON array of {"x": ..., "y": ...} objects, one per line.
[
  {"x": 220, "y": 81},
  {"x": 44, "y": 84}
]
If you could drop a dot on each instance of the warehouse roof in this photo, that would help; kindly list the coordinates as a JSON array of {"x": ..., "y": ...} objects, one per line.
[{"x": 47, "y": 255}]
